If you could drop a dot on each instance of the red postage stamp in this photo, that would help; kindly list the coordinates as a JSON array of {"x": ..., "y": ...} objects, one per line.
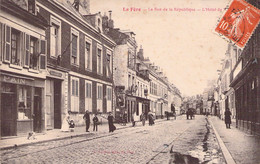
[{"x": 239, "y": 22}]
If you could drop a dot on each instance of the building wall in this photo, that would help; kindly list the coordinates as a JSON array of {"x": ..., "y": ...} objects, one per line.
[
  {"x": 70, "y": 21},
  {"x": 120, "y": 65},
  {"x": 22, "y": 85}
]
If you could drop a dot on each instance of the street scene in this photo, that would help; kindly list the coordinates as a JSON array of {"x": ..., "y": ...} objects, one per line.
[
  {"x": 165, "y": 141},
  {"x": 130, "y": 81}
]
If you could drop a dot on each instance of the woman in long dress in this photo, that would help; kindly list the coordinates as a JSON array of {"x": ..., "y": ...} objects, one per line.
[{"x": 65, "y": 123}]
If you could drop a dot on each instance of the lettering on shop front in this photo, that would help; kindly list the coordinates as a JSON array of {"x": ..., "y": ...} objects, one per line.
[{"x": 15, "y": 80}]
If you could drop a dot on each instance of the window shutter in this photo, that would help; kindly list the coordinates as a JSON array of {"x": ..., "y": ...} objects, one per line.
[
  {"x": 74, "y": 45},
  {"x": 7, "y": 43},
  {"x": 73, "y": 87},
  {"x": 43, "y": 54},
  {"x": 27, "y": 50},
  {"x": 90, "y": 90},
  {"x": 1, "y": 40},
  {"x": 77, "y": 88},
  {"x": 87, "y": 90}
]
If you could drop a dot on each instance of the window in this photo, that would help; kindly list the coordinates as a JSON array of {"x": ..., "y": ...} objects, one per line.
[
  {"x": 54, "y": 40},
  {"x": 15, "y": 57},
  {"x": 109, "y": 98},
  {"x": 99, "y": 97},
  {"x": 34, "y": 53},
  {"x": 88, "y": 95},
  {"x": 99, "y": 92},
  {"x": 23, "y": 50},
  {"x": 24, "y": 104},
  {"x": 12, "y": 46},
  {"x": 88, "y": 54},
  {"x": 74, "y": 94},
  {"x": 31, "y": 6},
  {"x": 131, "y": 59},
  {"x": 55, "y": 37},
  {"x": 109, "y": 93},
  {"x": 88, "y": 89},
  {"x": 74, "y": 47},
  {"x": 109, "y": 64},
  {"x": 99, "y": 60},
  {"x": 129, "y": 81}
]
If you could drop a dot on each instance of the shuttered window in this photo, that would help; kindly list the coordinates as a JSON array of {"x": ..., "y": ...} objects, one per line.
[
  {"x": 99, "y": 91},
  {"x": 74, "y": 94},
  {"x": 87, "y": 56},
  {"x": 7, "y": 43},
  {"x": 88, "y": 89},
  {"x": 1, "y": 40},
  {"x": 27, "y": 50},
  {"x": 74, "y": 45},
  {"x": 99, "y": 64},
  {"x": 43, "y": 54}
]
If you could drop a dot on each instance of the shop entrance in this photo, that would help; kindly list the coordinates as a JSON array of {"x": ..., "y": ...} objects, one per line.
[
  {"x": 57, "y": 104},
  {"x": 8, "y": 114},
  {"x": 37, "y": 120}
]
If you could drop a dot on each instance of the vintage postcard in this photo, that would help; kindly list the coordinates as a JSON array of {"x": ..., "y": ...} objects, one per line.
[{"x": 130, "y": 81}]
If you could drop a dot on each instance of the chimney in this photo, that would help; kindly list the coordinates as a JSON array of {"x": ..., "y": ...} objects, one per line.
[
  {"x": 76, "y": 4},
  {"x": 110, "y": 21},
  {"x": 110, "y": 14}
]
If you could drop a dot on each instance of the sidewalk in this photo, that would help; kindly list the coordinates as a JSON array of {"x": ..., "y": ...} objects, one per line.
[
  {"x": 56, "y": 134},
  {"x": 243, "y": 148}
]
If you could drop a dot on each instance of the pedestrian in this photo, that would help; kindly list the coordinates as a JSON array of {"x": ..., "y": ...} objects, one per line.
[
  {"x": 167, "y": 115},
  {"x": 151, "y": 119},
  {"x": 124, "y": 118},
  {"x": 187, "y": 114},
  {"x": 142, "y": 117},
  {"x": 87, "y": 120},
  {"x": 111, "y": 125},
  {"x": 65, "y": 127},
  {"x": 227, "y": 118},
  {"x": 133, "y": 120},
  {"x": 95, "y": 123}
]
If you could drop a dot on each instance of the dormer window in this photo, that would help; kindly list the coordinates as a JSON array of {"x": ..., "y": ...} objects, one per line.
[{"x": 31, "y": 6}]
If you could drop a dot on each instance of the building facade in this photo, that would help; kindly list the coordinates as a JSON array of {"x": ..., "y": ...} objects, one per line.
[
  {"x": 22, "y": 67},
  {"x": 80, "y": 62},
  {"x": 245, "y": 80}
]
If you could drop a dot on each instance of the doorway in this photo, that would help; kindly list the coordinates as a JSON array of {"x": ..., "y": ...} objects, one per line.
[
  {"x": 37, "y": 120},
  {"x": 57, "y": 104},
  {"x": 8, "y": 114}
]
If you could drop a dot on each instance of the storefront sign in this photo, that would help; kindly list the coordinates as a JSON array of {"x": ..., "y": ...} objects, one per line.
[
  {"x": 55, "y": 73},
  {"x": 15, "y": 80}
]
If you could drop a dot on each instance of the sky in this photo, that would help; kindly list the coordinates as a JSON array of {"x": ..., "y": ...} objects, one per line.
[{"x": 179, "y": 38}]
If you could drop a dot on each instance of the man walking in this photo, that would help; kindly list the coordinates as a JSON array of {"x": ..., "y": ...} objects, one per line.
[
  {"x": 95, "y": 123},
  {"x": 87, "y": 120}
]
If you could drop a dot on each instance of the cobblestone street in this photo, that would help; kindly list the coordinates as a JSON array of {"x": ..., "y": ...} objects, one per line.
[{"x": 166, "y": 141}]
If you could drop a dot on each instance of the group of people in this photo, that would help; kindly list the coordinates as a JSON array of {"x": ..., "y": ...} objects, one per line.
[
  {"x": 142, "y": 118},
  {"x": 110, "y": 119},
  {"x": 68, "y": 123},
  {"x": 189, "y": 114}
]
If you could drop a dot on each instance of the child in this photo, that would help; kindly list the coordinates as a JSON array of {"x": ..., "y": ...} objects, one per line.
[
  {"x": 95, "y": 122},
  {"x": 71, "y": 125}
]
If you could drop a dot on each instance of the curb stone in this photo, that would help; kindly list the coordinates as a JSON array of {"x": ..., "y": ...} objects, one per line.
[{"x": 229, "y": 159}]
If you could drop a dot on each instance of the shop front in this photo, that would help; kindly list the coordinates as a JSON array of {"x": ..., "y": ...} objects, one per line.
[
  {"x": 130, "y": 107},
  {"x": 56, "y": 98},
  {"x": 21, "y": 104},
  {"x": 143, "y": 106},
  {"x": 247, "y": 95}
]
